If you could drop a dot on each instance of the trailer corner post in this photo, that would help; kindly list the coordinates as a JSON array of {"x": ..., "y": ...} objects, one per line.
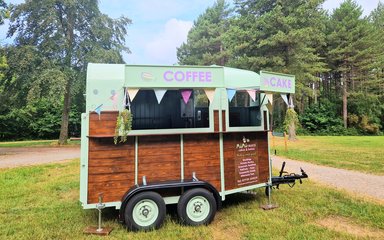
[
  {"x": 84, "y": 159},
  {"x": 181, "y": 156},
  {"x": 136, "y": 159}
]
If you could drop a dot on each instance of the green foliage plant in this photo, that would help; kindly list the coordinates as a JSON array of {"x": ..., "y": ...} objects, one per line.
[
  {"x": 123, "y": 126},
  {"x": 291, "y": 122}
]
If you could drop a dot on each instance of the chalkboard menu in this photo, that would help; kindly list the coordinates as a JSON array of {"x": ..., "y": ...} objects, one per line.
[{"x": 246, "y": 163}]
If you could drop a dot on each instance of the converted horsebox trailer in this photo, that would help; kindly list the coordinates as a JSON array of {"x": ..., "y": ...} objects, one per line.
[{"x": 197, "y": 135}]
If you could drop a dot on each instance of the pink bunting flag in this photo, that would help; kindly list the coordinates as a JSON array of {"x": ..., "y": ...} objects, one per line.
[
  {"x": 186, "y": 94},
  {"x": 252, "y": 93}
]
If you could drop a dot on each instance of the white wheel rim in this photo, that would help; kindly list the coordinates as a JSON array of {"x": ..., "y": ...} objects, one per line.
[
  {"x": 198, "y": 208},
  {"x": 145, "y": 212}
]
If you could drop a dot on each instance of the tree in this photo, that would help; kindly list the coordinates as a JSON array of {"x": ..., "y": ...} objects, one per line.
[
  {"x": 350, "y": 48},
  {"x": 281, "y": 36},
  {"x": 205, "y": 40},
  {"x": 68, "y": 34}
]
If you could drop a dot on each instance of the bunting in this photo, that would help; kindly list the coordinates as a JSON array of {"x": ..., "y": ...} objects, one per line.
[
  {"x": 252, "y": 94},
  {"x": 132, "y": 93},
  {"x": 210, "y": 94},
  {"x": 186, "y": 94},
  {"x": 98, "y": 110},
  {"x": 159, "y": 94},
  {"x": 230, "y": 94},
  {"x": 270, "y": 97},
  {"x": 270, "y": 107},
  {"x": 285, "y": 98}
]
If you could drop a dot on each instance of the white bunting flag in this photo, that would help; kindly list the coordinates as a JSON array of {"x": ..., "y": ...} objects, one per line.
[
  {"x": 270, "y": 97},
  {"x": 159, "y": 94},
  {"x": 132, "y": 93},
  {"x": 285, "y": 98},
  {"x": 270, "y": 107},
  {"x": 252, "y": 93},
  {"x": 210, "y": 94}
]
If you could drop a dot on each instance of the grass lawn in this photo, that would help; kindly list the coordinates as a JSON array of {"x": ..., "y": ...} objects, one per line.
[
  {"x": 36, "y": 143},
  {"x": 41, "y": 202},
  {"x": 360, "y": 153}
]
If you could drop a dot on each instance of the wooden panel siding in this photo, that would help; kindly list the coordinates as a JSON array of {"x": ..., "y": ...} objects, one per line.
[
  {"x": 159, "y": 158},
  {"x": 216, "y": 120},
  {"x": 103, "y": 126},
  {"x": 111, "y": 169},
  {"x": 224, "y": 123},
  {"x": 230, "y": 141},
  {"x": 202, "y": 156}
]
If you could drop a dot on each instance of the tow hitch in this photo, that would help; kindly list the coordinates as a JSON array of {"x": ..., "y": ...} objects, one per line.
[{"x": 286, "y": 178}]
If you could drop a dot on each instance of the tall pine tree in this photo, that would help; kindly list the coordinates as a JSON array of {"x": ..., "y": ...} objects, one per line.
[{"x": 205, "y": 40}]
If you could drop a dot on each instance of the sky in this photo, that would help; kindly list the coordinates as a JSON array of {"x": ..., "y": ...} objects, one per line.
[{"x": 160, "y": 26}]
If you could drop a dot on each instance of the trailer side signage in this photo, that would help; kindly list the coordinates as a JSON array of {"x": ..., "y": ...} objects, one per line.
[
  {"x": 174, "y": 76},
  {"x": 277, "y": 82},
  {"x": 246, "y": 164}
]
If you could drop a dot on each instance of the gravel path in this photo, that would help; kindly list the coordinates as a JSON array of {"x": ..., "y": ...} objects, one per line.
[
  {"x": 15, "y": 157},
  {"x": 351, "y": 181}
]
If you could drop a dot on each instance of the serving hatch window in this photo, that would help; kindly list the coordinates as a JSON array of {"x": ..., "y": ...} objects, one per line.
[
  {"x": 172, "y": 111},
  {"x": 243, "y": 111}
]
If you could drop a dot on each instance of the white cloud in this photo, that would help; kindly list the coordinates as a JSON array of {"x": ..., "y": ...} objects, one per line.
[{"x": 162, "y": 48}]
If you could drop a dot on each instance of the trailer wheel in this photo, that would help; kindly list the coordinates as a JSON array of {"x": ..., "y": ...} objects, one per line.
[
  {"x": 145, "y": 211},
  {"x": 196, "y": 207}
]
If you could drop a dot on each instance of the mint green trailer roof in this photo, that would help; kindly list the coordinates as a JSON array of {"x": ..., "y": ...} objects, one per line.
[{"x": 107, "y": 80}]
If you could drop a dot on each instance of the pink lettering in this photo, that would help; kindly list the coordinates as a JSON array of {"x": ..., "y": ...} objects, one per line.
[
  {"x": 165, "y": 76},
  {"x": 179, "y": 76},
  {"x": 208, "y": 77},
  {"x": 201, "y": 76}
]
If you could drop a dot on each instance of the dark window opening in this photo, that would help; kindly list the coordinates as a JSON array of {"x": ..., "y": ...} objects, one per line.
[
  {"x": 172, "y": 112},
  {"x": 243, "y": 111}
]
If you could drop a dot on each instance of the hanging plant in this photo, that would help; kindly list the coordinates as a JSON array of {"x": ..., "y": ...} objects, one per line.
[{"x": 123, "y": 126}]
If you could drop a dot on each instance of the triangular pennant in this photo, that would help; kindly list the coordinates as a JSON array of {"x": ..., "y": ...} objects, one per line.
[
  {"x": 285, "y": 98},
  {"x": 252, "y": 93},
  {"x": 132, "y": 93},
  {"x": 159, "y": 94},
  {"x": 270, "y": 107},
  {"x": 231, "y": 93},
  {"x": 98, "y": 110},
  {"x": 270, "y": 97},
  {"x": 290, "y": 100},
  {"x": 210, "y": 94},
  {"x": 186, "y": 94}
]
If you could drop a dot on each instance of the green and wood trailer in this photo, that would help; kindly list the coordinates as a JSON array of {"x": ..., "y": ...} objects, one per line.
[{"x": 198, "y": 134}]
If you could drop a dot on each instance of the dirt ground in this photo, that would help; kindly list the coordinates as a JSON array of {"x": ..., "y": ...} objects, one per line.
[{"x": 15, "y": 157}]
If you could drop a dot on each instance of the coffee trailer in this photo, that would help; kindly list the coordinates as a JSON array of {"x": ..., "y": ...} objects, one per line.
[{"x": 198, "y": 134}]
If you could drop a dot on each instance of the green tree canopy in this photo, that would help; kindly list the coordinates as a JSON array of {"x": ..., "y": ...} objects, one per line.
[
  {"x": 205, "y": 40},
  {"x": 68, "y": 34}
]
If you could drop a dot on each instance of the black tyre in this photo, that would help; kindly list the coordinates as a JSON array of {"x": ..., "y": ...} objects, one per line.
[
  {"x": 145, "y": 211},
  {"x": 196, "y": 207}
]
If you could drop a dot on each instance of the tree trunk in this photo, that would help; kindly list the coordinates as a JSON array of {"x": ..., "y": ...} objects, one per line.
[
  {"x": 292, "y": 131},
  {"x": 69, "y": 33},
  {"x": 345, "y": 104},
  {"x": 65, "y": 115}
]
